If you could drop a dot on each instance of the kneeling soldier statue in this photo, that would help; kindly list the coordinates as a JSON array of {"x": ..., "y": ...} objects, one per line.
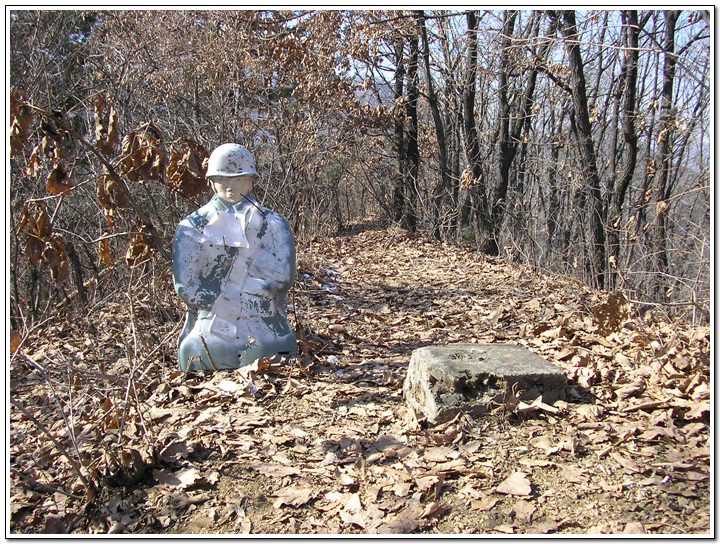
[{"x": 233, "y": 262}]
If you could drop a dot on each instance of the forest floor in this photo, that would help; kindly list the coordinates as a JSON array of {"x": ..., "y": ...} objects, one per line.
[{"x": 326, "y": 444}]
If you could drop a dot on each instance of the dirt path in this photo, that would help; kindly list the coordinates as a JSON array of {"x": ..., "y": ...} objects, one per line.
[{"x": 327, "y": 445}]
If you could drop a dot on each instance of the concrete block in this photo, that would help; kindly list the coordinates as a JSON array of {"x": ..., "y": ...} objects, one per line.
[{"x": 444, "y": 380}]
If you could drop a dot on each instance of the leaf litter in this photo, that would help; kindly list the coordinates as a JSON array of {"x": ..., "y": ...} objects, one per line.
[{"x": 324, "y": 443}]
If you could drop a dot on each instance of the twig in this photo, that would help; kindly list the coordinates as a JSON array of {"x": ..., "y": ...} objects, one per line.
[
  {"x": 71, "y": 431},
  {"x": 17, "y": 353},
  {"x": 52, "y": 197},
  {"x": 59, "y": 446},
  {"x": 212, "y": 363},
  {"x": 104, "y": 237},
  {"x": 134, "y": 357},
  {"x": 673, "y": 305},
  {"x": 125, "y": 404},
  {"x": 44, "y": 486},
  {"x": 142, "y": 419},
  {"x": 156, "y": 348},
  {"x": 253, "y": 203}
]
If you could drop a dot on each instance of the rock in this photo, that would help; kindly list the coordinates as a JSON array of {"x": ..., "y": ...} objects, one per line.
[{"x": 444, "y": 380}]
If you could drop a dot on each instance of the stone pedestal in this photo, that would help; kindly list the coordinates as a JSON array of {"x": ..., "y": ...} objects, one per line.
[{"x": 444, "y": 380}]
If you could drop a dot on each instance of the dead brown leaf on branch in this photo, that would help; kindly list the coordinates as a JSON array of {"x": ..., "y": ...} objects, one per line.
[
  {"x": 20, "y": 119},
  {"x": 186, "y": 169},
  {"x": 143, "y": 157},
  {"x": 41, "y": 244},
  {"x": 106, "y": 129},
  {"x": 326, "y": 444},
  {"x": 140, "y": 248}
]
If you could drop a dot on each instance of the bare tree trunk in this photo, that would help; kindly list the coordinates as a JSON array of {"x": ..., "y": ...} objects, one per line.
[
  {"x": 76, "y": 272},
  {"x": 586, "y": 149},
  {"x": 641, "y": 226},
  {"x": 506, "y": 147},
  {"x": 413, "y": 153},
  {"x": 630, "y": 140},
  {"x": 510, "y": 131},
  {"x": 453, "y": 120},
  {"x": 472, "y": 144},
  {"x": 443, "y": 184},
  {"x": 399, "y": 190},
  {"x": 553, "y": 221},
  {"x": 663, "y": 162}
]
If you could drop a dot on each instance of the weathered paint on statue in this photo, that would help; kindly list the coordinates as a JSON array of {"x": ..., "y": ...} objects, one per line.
[{"x": 233, "y": 262}]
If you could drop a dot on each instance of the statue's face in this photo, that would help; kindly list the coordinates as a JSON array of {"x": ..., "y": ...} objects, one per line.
[{"x": 233, "y": 189}]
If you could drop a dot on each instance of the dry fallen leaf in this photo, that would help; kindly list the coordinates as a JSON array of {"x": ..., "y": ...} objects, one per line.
[
  {"x": 294, "y": 495},
  {"x": 698, "y": 410},
  {"x": 504, "y": 528},
  {"x": 432, "y": 509},
  {"x": 590, "y": 412},
  {"x": 183, "y": 478},
  {"x": 345, "y": 479},
  {"x": 628, "y": 391},
  {"x": 543, "y": 442},
  {"x": 426, "y": 482},
  {"x": 174, "y": 451},
  {"x": 402, "y": 489},
  {"x": 572, "y": 474},
  {"x": 537, "y": 404},
  {"x": 486, "y": 503},
  {"x": 405, "y": 522},
  {"x": 353, "y": 512},
  {"x": 542, "y": 528},
  {"x": 515, "y": 484},
  {"x": 440, "y": 454},
  {"x": 212, "y": 476},
  {"x": 694, "y": 476},
  {"x": 634, "y": 528},
  {"x": 611, "y": 314},
  {"x": 626, "y": 463},
  {"x": 523, "y": 511},
  {"x": 459, "y": 465}
]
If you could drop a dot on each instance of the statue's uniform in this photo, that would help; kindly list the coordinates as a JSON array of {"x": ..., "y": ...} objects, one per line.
[{"x": 232, "y": 266}]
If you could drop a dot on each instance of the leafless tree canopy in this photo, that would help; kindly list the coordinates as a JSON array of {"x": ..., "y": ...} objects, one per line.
[{"x": 575, "y": 142}]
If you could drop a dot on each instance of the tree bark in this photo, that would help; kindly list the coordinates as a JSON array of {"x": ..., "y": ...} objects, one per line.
[
  {"x": 506, "y": 147},
  {"x": 443, "y": 184},
  {"x": 413, "y": 153},
  {"x": 399, "y": 190},
  {"x": 586, "y": 150},
  {"x": 76, "y": 272},
  {"x": 472, "y": 143},
  {"x": 663, "y": 162},
  {"x": 630, "y": 140},
  {"x": 453, "y": 120}
]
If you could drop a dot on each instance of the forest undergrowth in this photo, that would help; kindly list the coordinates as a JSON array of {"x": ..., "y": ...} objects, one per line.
[{"x": 106, "y": 436}]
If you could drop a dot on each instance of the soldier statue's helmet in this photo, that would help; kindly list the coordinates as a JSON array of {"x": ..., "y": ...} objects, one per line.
[{"x": 230, "y": 160}]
